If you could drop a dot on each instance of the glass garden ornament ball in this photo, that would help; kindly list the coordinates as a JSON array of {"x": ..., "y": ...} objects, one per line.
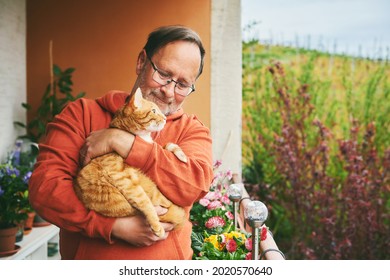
[
  {"x": 256, "y": 211},
  {"x": 235, "y": 191}
]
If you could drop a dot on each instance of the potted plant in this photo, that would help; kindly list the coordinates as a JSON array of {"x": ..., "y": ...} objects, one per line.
[
  {"x": 57, "y": 95},
  {"x": 13, "y": 184}
]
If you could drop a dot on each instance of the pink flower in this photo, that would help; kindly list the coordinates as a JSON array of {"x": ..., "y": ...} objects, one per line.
[
  {"x": 248, "y": 256},
  {"x": 248, "y": 244},
  {"x": 229, "y": 174},
  {"x": 214, "y": 222},
  {"x": 210, "y": 196},
  {"x": 214, "y": 205},
  {"x": 217, "y": 163},
  {"x": 225, "y": 199},
  {"x": 229, "y": 215},
  {"x": 218, "y": 195},
  {"x": 231, "y": 245},
  {"x": 204, "y": 202}
]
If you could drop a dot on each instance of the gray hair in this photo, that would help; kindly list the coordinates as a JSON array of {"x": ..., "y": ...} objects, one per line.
[{"x": 162, "y": 36}]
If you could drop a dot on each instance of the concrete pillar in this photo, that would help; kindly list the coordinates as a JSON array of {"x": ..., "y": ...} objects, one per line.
[
  {"x": 12, "y": 71},
  {"x": 226, "y": 84}
]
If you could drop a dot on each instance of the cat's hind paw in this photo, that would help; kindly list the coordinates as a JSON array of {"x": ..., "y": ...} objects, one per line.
[
  {"x": 160, "y": 232},
  {"x": 177, "y": 151}
]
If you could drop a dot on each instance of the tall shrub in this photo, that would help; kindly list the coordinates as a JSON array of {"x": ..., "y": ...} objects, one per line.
[{"x": 315, "y": 157}]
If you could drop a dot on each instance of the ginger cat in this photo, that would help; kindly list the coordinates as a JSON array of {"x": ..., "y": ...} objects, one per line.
[{"x": 112, "y": 188}]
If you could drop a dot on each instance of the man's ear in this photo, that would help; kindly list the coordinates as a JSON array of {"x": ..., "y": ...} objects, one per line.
[{"x": 142, "y": 58}]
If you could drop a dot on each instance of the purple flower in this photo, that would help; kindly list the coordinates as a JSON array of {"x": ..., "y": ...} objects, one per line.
[
  {"x": 12, "y": 171},
  {"x": 1, "y": 191},
  {"x": 26, "y": 177}
]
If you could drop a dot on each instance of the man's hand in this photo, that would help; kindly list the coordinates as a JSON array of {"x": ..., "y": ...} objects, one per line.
[
  {"x": 105, "y": 141},
  {"x": 136, "y": 230}
]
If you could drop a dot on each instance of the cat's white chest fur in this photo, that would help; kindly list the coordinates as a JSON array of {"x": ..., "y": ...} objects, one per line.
[{"x": 146, "y": 136}]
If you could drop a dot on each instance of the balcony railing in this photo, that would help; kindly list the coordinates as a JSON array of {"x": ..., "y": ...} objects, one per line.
[{"x": 268, "y": 248}]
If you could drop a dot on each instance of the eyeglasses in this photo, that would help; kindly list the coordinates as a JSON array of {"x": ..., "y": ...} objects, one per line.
[{"x": 164, "y": 79}]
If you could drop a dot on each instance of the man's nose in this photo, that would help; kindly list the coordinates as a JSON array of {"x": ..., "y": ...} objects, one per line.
[{"x": 169, "y": 89}]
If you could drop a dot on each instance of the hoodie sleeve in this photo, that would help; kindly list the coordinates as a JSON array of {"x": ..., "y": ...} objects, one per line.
[
  {"x": 182, "y": 183},
  {"x": 51, "y": 184}
]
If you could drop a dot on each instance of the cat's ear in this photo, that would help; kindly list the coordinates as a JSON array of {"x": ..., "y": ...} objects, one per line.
[{"x": 138, "y": 98}]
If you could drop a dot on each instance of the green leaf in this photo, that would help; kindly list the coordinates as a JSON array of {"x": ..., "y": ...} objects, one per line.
[
  {"x": 56, "y": 70},
  {"x": 20, "y": 124},
  {"x": 69, "y": 71},
  {"x": 26, "y": 106},
  {"x": 80, "y": 95}
]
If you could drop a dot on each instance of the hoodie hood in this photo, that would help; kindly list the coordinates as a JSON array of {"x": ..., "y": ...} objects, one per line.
[{"x": 115, "y": 99}]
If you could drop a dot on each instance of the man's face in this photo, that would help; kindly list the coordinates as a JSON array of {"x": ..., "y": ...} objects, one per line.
[{"x": 181, "y": 60}]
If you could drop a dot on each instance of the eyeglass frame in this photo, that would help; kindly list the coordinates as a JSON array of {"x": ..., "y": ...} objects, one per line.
[{"x": 170, "y": 80}]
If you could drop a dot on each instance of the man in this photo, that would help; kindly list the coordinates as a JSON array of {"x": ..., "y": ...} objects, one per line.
[{"x": 167, "y": 69}]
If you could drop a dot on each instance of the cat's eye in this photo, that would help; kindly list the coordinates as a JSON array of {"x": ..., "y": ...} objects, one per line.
[{"x": 154, "y": 111}]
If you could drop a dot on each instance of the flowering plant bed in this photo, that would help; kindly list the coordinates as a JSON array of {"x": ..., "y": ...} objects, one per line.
[{"x": 213, "y": 234}]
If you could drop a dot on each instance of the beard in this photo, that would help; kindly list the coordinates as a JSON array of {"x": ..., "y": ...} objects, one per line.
[{"x": 166, "y": 105}]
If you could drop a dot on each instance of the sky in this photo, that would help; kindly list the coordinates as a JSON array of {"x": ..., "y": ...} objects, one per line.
[{"x": 355, "y": 27}]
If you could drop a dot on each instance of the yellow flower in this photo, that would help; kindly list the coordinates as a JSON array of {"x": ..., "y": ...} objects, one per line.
[
  {"x": 236, "y": 234},
  {"x": 219, "y": 240},
  {"x": 213, "y": 239}
]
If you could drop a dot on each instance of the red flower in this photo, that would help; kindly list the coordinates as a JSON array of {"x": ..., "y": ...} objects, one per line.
[
  {"x": 263, "y": 235},
  {"x": 248, "y": 256},
  {"x": 231, "y": 245},
  {"x": 214, "y": 222}
]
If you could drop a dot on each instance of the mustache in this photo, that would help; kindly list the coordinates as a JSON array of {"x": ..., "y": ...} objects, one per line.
[{"x": 156, "y": 93}]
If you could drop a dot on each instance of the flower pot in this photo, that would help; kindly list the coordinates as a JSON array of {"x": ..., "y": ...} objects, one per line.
[
  {"x": 40, "y": 222},
  {"x": 20, "y": 233},
  {"x": 8, "y": 239},
  {"x": 28, "y": 224}
]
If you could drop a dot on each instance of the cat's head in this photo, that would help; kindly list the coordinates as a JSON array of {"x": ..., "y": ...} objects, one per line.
[{"x": 139, "y": 116}]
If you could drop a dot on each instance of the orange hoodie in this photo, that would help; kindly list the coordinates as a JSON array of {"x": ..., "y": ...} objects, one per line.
[{"x": 87, "y": 235}]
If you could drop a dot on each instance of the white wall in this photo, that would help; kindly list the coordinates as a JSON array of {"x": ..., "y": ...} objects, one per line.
[
  {"x": 226, "y": 84},
  {"x": 12, "y": 71}
]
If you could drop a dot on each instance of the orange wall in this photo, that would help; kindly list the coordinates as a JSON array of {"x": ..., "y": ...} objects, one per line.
[{"x": 102, "y": 39}]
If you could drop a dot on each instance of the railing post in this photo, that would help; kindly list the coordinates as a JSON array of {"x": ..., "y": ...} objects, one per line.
[{"x": 269, "y": 242}]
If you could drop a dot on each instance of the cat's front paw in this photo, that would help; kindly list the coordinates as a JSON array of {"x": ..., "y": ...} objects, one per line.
[{"x": 177, "y": 151}]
